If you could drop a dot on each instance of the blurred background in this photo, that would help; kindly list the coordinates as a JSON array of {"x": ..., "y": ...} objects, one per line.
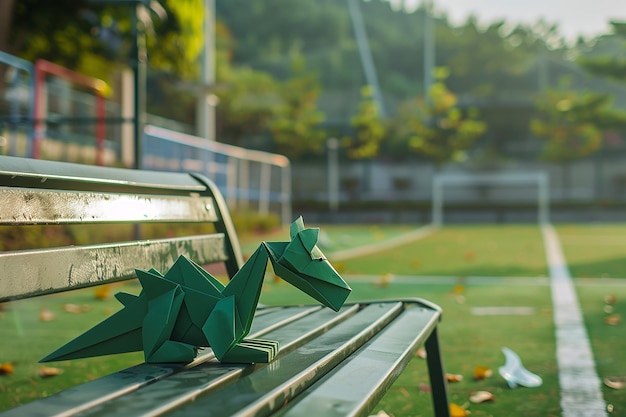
[{"x": 342, "y": 110}]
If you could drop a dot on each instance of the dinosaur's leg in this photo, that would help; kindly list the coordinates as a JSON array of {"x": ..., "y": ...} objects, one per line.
[
  {"x": 252, "y": 350},
  {"x": 220, "y": 328},
  {"x": 225, "y": 333},
  {"x": 158, "y": 324},
  {"x": 173, "y": 351}
]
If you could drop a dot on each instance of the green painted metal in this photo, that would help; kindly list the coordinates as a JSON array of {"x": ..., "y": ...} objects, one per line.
[
  {"x": 187, "y": 308},
  {"x": 375, "y": 366},
  {"x": 24, "y": 206},
  {"x": 94, "y": 395},
  {"x": 34, "y": 173},
  {"x": 46, "y": 271},
  {"x": 318, "y": 347},
  {"x": 184, "y": 387},
  {"x": 269, "y": 387}
]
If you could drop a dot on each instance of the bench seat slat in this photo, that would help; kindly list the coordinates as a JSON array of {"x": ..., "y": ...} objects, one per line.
[
  {"x": 270, "y": 386},
  {"x": 80, "y": 399},
  {"x": 375, "y": 366},
  {"x": 183, "y": 387},
  {"x": 24, "y": 206},
  {"x": 47, "y": 271}
]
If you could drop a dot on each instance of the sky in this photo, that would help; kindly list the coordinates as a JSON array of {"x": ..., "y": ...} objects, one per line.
[{"x": 574, "y": 17}]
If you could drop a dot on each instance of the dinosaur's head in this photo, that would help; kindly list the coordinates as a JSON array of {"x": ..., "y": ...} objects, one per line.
[{"x": 302, "y": 264}]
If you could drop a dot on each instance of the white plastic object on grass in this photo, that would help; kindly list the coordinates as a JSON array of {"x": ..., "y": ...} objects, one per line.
[{"x": 514, "y": 372}]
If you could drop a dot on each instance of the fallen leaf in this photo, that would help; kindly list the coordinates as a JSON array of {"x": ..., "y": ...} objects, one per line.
[
  {"x": 6, "y": 368},
  {"x": 424, "y": 387},
  {"x": 384, "y": 280},
  {"x": 48, "y": 371},
  {"x": 482, "y": 372},
  {"x": 482, "y": 397},
  {"x": 458, "y": 289},
  {"x": 613, "y": 319},
  {"x": 610, "y": 299},
  {"x": 102, "y": 292},
  {"x": 608, "y": 309},
  {"x": 72, "y": 308},
  {"x": 421, "y": 353},
  {"x": 404, "y": 392},
  {"x": 339, "y": 266},
  {"x": 46, "y": 315},
  {"x": 457, "y": 411},
  {"x": 615, "y": 382},
  {"x": 454, "y": 377}
]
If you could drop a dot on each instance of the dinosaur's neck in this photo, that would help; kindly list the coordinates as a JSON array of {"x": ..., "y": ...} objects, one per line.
[{"x": 246, "y": 286}]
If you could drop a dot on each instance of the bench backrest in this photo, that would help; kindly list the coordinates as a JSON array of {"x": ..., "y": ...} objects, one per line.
[{"x": 36, "y": 192}]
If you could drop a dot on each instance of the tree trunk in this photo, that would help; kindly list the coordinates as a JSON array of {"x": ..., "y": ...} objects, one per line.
[{"x": 6, "y": 15}]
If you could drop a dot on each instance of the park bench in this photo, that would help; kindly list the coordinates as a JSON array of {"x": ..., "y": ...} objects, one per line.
[{"x": 329, "y": 363}]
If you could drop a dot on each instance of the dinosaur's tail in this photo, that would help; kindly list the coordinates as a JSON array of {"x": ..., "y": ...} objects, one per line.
[{"x": 119, "y": 333}]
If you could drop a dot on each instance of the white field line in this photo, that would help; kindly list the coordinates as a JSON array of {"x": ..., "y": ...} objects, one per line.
[
  {"x": 384, "y": 245},
  {"x": 581, "y": 393}
]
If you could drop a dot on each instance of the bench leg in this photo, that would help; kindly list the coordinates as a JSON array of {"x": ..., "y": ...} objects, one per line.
[{"x": 438, "y": 385}]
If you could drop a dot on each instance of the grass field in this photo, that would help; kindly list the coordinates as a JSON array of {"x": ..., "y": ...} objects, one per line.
[{"x": 468, "y": 340}]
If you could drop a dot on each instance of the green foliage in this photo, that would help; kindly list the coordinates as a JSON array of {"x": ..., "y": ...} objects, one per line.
[
  {"x": 250, "y": 222},
  {"x": 28, "y": 237},
  {"x": 249, "y": 99},
  {"x": 436, "y": 127},
  {"x": 573, "y": 123},
  {"x": 295, "y": 123},
  {"x": 89, "y": 36},
  {"x": 368, "y": 128},
  {"x": 612, "y": 64}
]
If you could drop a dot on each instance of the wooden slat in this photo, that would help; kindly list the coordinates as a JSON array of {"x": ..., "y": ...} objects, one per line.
[
  {"x": 34, "y": 272},
  {"x": 28, "y": 206}
]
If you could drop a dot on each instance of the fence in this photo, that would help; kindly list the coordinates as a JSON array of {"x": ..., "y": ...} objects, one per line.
[
  {"x": 248, "y": 179},
  {"x": 16, "y": 105},
  {"x": 50, "y": 112}
]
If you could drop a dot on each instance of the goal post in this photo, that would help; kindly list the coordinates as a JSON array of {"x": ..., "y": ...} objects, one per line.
[{"x": 513, "y": 179}]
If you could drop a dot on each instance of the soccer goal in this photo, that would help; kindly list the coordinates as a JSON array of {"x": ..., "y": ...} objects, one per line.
[{"x": 454, "y": 185}]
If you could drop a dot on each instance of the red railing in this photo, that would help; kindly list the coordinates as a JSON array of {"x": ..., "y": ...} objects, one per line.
[{"x": 98, "y": 86}]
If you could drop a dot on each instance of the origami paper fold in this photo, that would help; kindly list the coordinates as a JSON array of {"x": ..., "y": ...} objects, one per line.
[{"x": 188, "y": 308}]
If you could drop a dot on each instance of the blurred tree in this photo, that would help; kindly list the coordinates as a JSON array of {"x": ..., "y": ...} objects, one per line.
[
  {"x": 88, "y": 36},
  {"x": 368, "y": 129},
  {"x": 248, "y": 99},
  {"x": 295, "y": 125},
  {"x": 573, "y": 125},
  {"x": 436, "y": 127},
  {"x": 566, "y": 120},
  {"x": 612, "y": 64}
]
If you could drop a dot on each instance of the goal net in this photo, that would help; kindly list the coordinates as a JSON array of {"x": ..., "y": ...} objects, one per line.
[{"x": 491, "y": 189}]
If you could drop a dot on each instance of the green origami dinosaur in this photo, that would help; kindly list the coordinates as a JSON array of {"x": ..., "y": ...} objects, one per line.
[{"x": 187, "y": 308}]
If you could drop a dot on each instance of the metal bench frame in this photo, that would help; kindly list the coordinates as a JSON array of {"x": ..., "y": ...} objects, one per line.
[{"x": 330, "y": 364}]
